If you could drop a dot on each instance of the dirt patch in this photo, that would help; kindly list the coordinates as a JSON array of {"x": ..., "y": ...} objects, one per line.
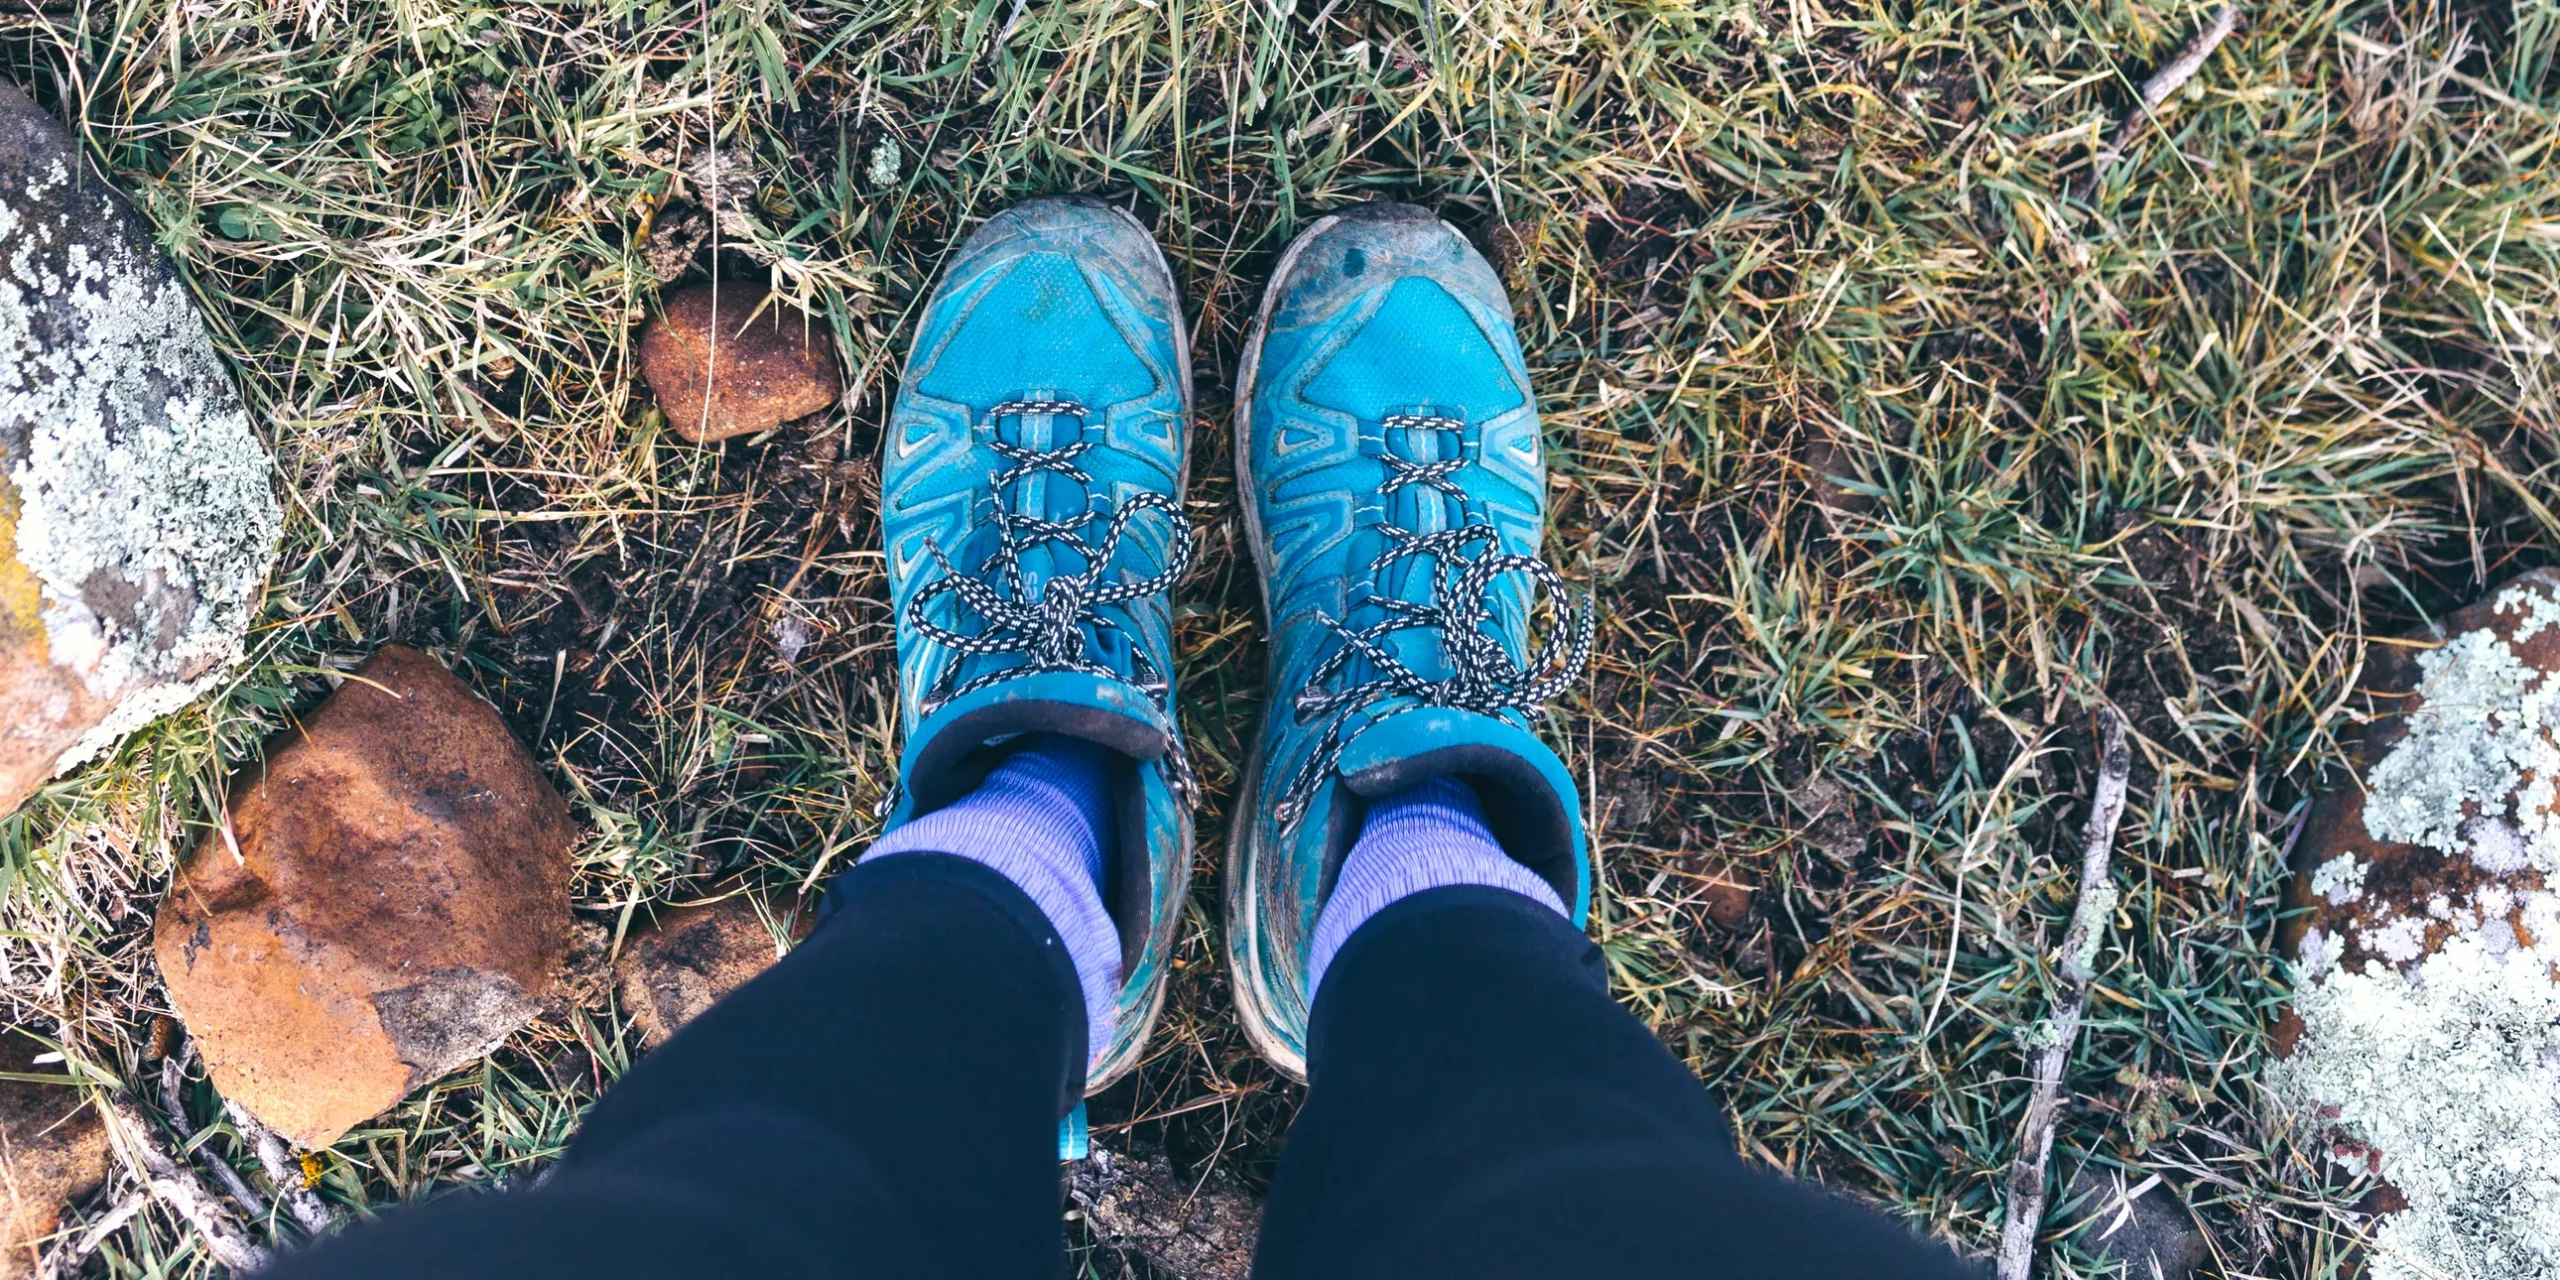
[{"x": 53, "y": 1150}]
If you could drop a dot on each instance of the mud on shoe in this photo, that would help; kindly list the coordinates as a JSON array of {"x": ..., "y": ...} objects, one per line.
[
  {"x": 1394, "y": 489},
  {"x": 1031, "y": 502}
]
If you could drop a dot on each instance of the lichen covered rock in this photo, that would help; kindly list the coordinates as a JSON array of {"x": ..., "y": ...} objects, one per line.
[
  {"x": 730, "y": 360},
  {"x": 2425, "y": 1033},
  {"x": 136, "y": 520},
  {"x": 53, "y": 1150},
  {"x": 392, "y": 902},
  {"x": 1199, "y": 1226},
  {"x": 669, "y": 973}
]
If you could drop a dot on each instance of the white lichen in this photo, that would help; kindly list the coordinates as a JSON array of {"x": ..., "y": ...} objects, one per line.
[
  {"x": 2321, "y": 951},
  {"x": 2440, "y": 1054},
  {"x": 146, "y": 513},
  {"x": 2451, "y": 1074},
  {"x": 2340, "y": 880},
  {"x": 2399, "y": 940},
  {"x": 2496, "y": 846},
  {"x": 886, "y": 161},
  {"x": 2534, "y": 611},
  {"x": 2478, "y": 747}
]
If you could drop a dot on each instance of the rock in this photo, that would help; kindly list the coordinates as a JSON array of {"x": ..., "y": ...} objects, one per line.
[
  {"x": 53, "y": 1150},
  {"x": 1197, "y": 1228},
  {"x": 398, "y": 903},
  {"x": 732, "y": 372},
  {"x": 2424, "y": 1030},
  {"x": 2148, "y": 1236},
  {"x": 1831, "y": 825},
  {"x": 668, "y": 974},
  {"x": 137, "y": 522}
]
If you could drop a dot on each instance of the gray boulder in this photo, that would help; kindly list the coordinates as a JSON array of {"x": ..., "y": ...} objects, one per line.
[{"x": 137, "y": 517}]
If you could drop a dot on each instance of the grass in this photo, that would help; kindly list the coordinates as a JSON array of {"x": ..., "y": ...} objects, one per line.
[{"x": 1894, "y": 440}]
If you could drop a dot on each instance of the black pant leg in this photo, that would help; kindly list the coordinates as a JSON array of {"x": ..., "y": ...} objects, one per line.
[
  {"x": 881, "y": 1103},
  {"x": 1478, "y": 1106}
]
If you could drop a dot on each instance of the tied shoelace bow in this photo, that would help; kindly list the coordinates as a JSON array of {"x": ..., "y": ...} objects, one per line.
[
  {"x": 1482, "y": 677},
  {"x": 1048, "y": 629}
]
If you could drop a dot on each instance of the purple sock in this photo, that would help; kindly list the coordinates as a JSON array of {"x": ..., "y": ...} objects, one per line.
[
  {"x": 1042, "y": 820},
  {"x": 1427, "y": 836}
]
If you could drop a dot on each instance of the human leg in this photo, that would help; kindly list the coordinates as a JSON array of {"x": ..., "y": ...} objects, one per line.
[
  {"x": 831, "y": 1118},
  {"x": 1408, "y": 873},
  {"x": 1478, "y": 1105}
]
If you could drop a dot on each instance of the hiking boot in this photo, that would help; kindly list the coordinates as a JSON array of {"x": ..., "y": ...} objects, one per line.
[
  {"x": 1394, "y": 493},
  {"x": 1031, "y": 502}
]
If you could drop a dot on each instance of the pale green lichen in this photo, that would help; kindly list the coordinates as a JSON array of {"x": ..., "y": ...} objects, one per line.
[
  {"x": 2097, "y": 904},
  {"x": 2449, "y": 1074},
  {"x": 2443, "y": 1059},
  {"x": 886, "y": 160},
  {"x": 2481, "y": 732},
  {"x": 147, "y": 515},
  {"x": 2340, "y": 880}
]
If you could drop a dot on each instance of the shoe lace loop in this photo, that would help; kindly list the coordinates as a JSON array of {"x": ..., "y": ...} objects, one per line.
[
  {"x": 1049, "y": 628},
  {"x": 1467, "y": 561}
]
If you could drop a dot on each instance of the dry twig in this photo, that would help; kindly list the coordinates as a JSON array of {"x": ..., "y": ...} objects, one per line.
[
  {"x": 173, "y": 1104},
  {"x": 2079, "y": 957},
  {"x": 177, "y": 1186},
  {"x": 309, "y": 1211},
  {"x": 2167, "y": 80}
]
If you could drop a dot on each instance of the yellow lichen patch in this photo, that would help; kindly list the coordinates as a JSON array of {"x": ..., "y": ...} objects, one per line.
[{"x": 21, "y": 596}]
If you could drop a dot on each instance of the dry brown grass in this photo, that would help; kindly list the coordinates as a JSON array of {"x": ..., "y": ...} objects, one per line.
[{"x": 1892, "y": 448}]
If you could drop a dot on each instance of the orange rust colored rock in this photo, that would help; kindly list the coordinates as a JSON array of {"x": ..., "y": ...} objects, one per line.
[
  {"x": 53, "y": 1150},
  {"x": 694, "y": 955},
  {"x": 398, "y": 903},
  {"x": 721, "y": 369}
]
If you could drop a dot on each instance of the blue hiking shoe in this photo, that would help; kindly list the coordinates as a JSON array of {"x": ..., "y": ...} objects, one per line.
[
  {"x": 1394, "y": 491},
  {"x": 1031, "y": 500}
]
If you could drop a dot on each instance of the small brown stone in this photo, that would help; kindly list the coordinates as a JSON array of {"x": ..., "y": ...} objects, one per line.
[
  {"x": 670, "y": 973},
  {"x": 393, "y": 902},
  {"x": 53, "y": 1150},
  {"x": 731, "y": 360}
]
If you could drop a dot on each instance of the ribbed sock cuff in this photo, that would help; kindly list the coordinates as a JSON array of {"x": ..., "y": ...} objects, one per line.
[
  {"x": 1043, "y": 820},
  {"x": 1427, "y": 836}
]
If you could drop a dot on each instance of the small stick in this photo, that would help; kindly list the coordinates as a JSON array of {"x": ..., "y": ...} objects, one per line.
[
  {"x": 178, "y": 1187},
  {"x": 71, "y": 1255},
  {"x": 173, "y": 1104},
  {"x": 2080, "y": 945},
  {"x": 308, "y": 1209},
  {"x": 2167, "y": 80}
]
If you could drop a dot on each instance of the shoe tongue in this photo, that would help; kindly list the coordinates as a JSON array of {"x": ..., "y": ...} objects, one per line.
[
  {"x": 1419, "y": 510},
  {"x": 1416, "y": 509},
  {"x": 1043, "y": 494}
]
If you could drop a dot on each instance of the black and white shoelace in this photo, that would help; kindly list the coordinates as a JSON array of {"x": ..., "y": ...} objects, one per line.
[
  {"x": 1048, "y": 628},
  {"x": 1483, "y": 678}
]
